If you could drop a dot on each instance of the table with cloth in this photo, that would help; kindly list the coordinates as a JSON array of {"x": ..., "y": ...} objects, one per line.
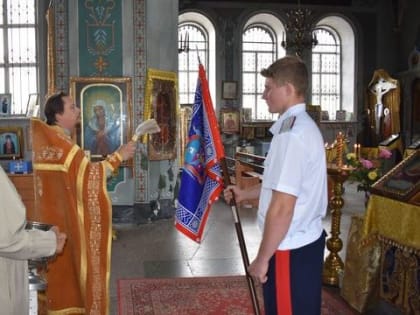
[{"x": 388, "y": 246}]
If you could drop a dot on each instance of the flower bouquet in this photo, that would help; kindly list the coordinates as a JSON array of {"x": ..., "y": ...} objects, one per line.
[{"x": 367, "y": 172}]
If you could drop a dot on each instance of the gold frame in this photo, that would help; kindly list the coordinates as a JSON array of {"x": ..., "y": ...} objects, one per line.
[
  {"x": 50, "y": 16},
  {"x": 401, "y": 173},
  {"x": 230, "y": 114},
  {"x": 114, "y": 95},
  {"x": 16, "y": 135},
  {"x": 184, "y": 126},
  {"x": 161, "y": 103}
]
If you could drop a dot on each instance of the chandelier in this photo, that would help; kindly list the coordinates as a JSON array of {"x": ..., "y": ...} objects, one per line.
[
  {"x": 299, "y": 31},
  {"x": 184, "y": 43}
]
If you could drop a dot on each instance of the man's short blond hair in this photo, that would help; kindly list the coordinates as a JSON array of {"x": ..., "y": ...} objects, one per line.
[{"x": 289, "y": 69}]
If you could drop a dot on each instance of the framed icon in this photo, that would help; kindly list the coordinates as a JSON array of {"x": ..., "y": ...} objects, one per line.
[
  {"x": 229, "y": 90},
  {"x": 5, "y": 104},
  {"x": 105, "y": 105},
  {"x": 11, "y": 143},
  {"x": 229, "y": 120}
]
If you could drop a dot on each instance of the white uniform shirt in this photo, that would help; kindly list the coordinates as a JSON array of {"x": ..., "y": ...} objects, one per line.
[
  {"x": 17, "y": 245},
  {"x": 296, "y": 165}
]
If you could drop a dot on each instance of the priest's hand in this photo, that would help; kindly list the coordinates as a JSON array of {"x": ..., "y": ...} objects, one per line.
[
  {"x": 127, "y": 150},
  {"x": 61, "y": 239}
]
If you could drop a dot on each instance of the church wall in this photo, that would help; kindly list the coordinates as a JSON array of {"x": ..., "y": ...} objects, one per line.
[
  {"x": 162, "y": 54},
  {"x": 229, "y": 18},
  {"x": 409, "y": 33},
  {"x": 145, "y": 34},
  {"x": 97, "y": 34},
  {"x": 408, "y": 68},
  {"x": 386, "y": 32},
  {"x": 146, "y": 37}
]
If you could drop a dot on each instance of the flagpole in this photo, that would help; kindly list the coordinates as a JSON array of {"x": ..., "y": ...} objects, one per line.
[
  {"x": 241, "y": 239},
  {"x": 204, "y": 116}
]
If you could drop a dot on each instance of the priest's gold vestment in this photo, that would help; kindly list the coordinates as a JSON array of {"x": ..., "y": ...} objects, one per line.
[{"x": 70, "y": 191}]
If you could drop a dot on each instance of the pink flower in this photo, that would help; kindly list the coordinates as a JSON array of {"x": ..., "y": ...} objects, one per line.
[
  {"x": 366, "y": 163},
  {"x": 384, "y": 154}
]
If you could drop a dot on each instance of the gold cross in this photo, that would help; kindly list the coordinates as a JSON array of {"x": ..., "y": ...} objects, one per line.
[{"x": 101, "y": 64}]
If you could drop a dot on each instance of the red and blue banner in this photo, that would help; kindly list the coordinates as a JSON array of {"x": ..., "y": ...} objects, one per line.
[{"x": 201, "y": 178}]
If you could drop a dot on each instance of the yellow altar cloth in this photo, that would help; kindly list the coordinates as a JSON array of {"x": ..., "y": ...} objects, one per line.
[
  {"x": 360, "y": 284},
  {"x": 370, "y": 153},
  {"x": 408, "y": 152},
  {"x": 383, "y": 260},
  {"x": 395, "y": 220}
]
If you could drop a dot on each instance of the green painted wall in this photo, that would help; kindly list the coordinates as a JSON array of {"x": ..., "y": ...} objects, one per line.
[{"x": 100, "y": 38}]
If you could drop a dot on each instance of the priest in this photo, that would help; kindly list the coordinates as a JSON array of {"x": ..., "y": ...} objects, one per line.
[{"x": 70, "y": 192}]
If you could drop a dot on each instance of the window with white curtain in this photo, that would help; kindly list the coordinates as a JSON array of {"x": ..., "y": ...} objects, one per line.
[
  {"x": 19, "y": 63},
  {"x": 261, "y": 46}
]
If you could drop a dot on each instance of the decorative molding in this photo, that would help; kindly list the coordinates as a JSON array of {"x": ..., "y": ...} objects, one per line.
[
  {"x": 61, "y": 45},
  {"x": 100, "y": 38},
  {"x": 141, "y": 167}
]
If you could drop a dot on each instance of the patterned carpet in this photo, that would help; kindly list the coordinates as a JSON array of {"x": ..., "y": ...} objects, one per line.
[{"x": 203, "y": 295}]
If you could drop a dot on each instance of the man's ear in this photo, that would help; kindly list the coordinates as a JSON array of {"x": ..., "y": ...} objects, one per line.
[
  {"x": 290, "y": 89},
  {"x": 58, "y": 117}
]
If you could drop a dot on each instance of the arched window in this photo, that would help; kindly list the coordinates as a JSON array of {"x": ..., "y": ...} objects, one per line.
[
  {"x": 194, "y": 37},
  {"x": 195, "y": 33},
  {"x": 333, "y": 67},
  {"x": 326, "y": 70},
  {"x": 19, "y": 63},
  {"x": 260, "y": 48}
]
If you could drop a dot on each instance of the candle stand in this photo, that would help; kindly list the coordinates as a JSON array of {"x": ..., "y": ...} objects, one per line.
[{"x": 333, "y": 264}]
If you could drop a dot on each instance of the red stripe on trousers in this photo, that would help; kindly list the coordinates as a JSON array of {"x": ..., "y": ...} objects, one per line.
[{"x": 283, "y": 294}]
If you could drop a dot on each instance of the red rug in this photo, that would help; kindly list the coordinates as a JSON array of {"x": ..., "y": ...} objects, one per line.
[{"x": 202, "y": 295}]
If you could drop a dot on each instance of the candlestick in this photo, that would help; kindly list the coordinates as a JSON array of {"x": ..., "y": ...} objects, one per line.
[
  {"x": 340, "y": 143},
  {"x": 333, "y": 264},
  {"x": 358, "y": 151}
]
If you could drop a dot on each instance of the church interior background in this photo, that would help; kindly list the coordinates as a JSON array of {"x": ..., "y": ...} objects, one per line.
[{"x": 364, "y": 61}]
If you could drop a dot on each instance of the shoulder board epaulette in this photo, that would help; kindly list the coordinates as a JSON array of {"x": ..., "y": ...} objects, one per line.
[{"x": 287, "y": 124}]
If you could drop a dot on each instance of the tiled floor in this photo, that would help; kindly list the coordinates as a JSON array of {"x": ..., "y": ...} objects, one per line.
[{"x": 158, "y": 250}]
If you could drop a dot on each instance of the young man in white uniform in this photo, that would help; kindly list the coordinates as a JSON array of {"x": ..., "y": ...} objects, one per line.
[{"x": 292, "y": 198}]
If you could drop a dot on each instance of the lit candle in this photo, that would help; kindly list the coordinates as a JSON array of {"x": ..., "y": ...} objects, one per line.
[
  {"x": 355, "y": 149},
  {"x": 358, "y": 150}
]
